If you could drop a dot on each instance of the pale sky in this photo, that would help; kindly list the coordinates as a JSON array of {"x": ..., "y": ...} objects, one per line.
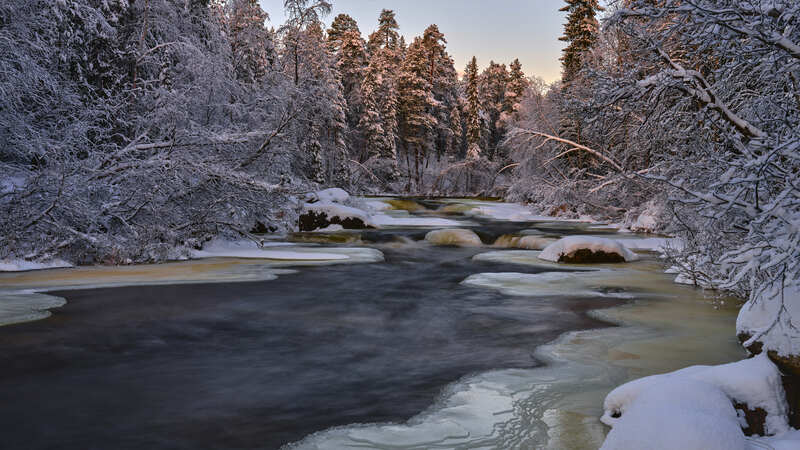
[{"x": 498, "y": 30}]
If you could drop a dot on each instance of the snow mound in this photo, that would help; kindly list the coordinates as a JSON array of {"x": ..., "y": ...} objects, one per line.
[
  {"x": 20, "y": 265},
  {"x": 757, "y": 319},
  {"x": 566, "y": 248},
  {"x": 698, "y": 402},
  {"x": 335, "y": 195},
  {"x": 682, "y": 414},
  {"x": 454, "y": 236},
  {"x": 332, "y": 209}
]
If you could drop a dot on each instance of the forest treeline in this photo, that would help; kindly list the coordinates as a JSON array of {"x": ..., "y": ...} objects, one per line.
[{"x": 130, "y": 129}]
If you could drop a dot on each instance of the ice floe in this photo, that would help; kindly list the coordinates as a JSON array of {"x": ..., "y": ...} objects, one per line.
[{"x": 550, "y": 284}]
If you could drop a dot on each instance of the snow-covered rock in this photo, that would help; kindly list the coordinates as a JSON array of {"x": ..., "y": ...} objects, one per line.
[
  {"x": 322, "y": 214},
  {"x": 760, "y": 326},
  {"x": 692, "y": 408},
  {"x": 454, "y": 236},
  {"x": 587, "y": 249},
  {"x": 683, "y": 414}
]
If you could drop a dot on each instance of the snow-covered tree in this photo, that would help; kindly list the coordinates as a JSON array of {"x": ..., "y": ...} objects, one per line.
[
  {"x": 252, "y": 44},
  {"x": 580, "y": 32},
  {"x": 515, "y": 88},
  {"x": 415, "y": 102},
  {"x": 475, "y": 128}
]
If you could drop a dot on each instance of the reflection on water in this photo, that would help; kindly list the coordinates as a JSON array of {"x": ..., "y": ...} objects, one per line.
[{"x": 404, "y": 345}]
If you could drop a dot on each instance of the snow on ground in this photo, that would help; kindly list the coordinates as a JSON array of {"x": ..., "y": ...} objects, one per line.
[
  {"x": 20, "y": 265},
  {"x": 335, "y": 195},
  {"x": 513, "y": 212},
  {"x": 757, "y": 318},
  {"x": 698, "y": 402},
  {"x": 571, "y": 244}
]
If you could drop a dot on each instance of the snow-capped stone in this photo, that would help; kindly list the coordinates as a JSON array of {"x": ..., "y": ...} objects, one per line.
[
  {"x": 699, "y": 402},
  {"x": 587, "y": 249}
]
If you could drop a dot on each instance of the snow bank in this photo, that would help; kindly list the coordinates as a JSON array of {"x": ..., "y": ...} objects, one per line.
[
  {"x": 290, "y": 253},
  {"x": 569, "y": 246},
  {"x": 683, "y": 414},
  {"x": 335, "y": 195},
  {"x": 757, "y": 318},
  {"x": 20, "y": 265},
  {"x": 454, "y": 236},
  {"x": 514, "y": 212},
  {"x": 693, "y": 407}
]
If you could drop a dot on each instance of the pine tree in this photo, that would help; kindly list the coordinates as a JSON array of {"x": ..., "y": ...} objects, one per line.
[
  {"x": 342, "y": 24},
  {"x": 386, "y": 36},
  {"x": 580, "y": 32}
]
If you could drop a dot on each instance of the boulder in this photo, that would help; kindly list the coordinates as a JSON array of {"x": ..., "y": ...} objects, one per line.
[
  {"x": 323, "y": 214},
  {"x": 523, "y": 242},
  {"x": 454, "y": 236}
]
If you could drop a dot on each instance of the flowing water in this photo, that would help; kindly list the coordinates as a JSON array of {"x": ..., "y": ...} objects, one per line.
[{"x": 427, "y": 347}]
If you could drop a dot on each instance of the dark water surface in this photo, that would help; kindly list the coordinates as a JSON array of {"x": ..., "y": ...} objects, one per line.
[{"x": 259, "y": 365}]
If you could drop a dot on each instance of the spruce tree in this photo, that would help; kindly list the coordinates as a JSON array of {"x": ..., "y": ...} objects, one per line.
[
  {"x": 416, "y": 123},
  {"x": 493, "y": 83},
  {"x": 515, "y": 89},
  {"x": 473, "y": 113},
  {"x": 580, "y": 32}
]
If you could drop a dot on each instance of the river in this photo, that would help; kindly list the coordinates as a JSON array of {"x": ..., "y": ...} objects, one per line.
[{"x": 432, "y": 347}]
